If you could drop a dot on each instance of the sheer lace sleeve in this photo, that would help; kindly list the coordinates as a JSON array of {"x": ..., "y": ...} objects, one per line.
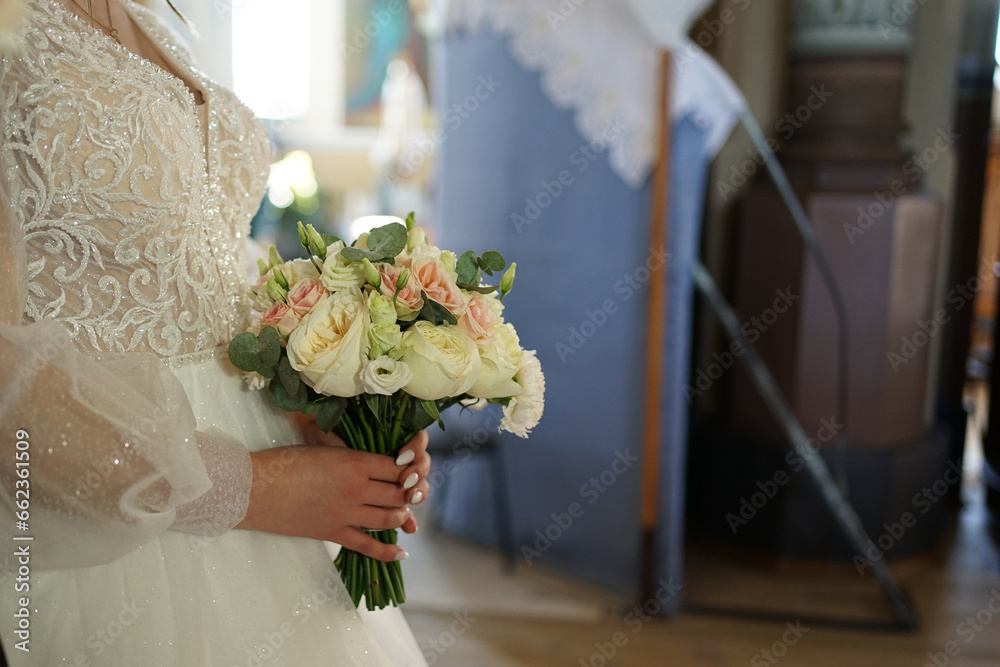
[
  {"x": 107, "y": 265},
  {"x": 113, "y": 455}
]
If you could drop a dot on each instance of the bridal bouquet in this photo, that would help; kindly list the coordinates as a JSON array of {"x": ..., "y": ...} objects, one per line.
[{"x": 377, "y": 338}]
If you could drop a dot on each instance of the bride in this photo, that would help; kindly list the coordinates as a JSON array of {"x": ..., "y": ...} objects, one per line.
[{"x": 153, "y": 509}]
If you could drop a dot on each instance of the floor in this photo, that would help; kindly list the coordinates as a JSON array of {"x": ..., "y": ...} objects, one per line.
[{"x": 465, "y": 612}]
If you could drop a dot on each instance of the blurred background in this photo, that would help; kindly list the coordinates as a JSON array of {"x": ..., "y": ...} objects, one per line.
[{"x": 659, "y": 514}]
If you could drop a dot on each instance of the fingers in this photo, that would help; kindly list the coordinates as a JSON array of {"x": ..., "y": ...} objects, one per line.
[
  {"x": 418, "y": 494},
  {"x": 354, "y": 539},
  {"x": 383, "y": 494},
  {"x": 416, "y": 465},
  {"x": 380, "y": 518},
  {"x": 410, "y": 526}
]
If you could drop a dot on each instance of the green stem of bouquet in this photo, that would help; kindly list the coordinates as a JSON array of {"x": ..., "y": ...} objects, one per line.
[{"x": 381, "y": 584}]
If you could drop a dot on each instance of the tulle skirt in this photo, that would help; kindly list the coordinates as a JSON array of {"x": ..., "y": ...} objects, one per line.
[{"x": 242, "y": 598}]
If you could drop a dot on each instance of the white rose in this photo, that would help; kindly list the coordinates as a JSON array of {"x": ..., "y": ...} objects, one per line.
[
  {"x": 444, "y": 360},
  {"x": 339, "y": 273},
  {"x": 385, "y": 376},
  {"x": 330, "y": 345},
  {"x": 525, "y": 410},
  {"x": 501, "y": 358}
]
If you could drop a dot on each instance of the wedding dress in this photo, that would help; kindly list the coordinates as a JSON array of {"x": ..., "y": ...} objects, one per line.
[{"x": 121, "y": 281}]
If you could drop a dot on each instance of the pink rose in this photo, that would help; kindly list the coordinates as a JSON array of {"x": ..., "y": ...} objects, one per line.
[
  {"x": 434, "y": 279},
  {"x": 304, "y": 296},
  {"x": 281, "y": 317},
  {"x": 409, "y": 300},
  {"x": 479, "y": 319}
]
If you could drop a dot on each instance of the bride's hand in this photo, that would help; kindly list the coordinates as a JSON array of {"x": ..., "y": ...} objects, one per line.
[
  {"x": 419, "y": 462},
  {"x": 313, "y": 434},
  {"x": 329, "y": 493}
]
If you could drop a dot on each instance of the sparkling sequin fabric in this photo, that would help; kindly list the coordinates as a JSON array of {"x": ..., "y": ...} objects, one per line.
[{"x": 132, "y": 223}]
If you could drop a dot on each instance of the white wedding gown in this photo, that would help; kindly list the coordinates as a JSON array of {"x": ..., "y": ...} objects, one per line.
[{"x": 121, "y": 282}]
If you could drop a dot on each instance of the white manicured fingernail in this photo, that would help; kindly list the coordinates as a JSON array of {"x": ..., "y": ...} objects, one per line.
[
  {"x": 411, "y": 481},
  {"x": 417, "y": 498},
  {"x": 405, "y": 457},
  {"x": 401, "y": 555}
]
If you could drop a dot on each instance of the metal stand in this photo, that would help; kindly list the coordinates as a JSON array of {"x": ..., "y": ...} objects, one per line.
[{"x": 842, "y": 510}]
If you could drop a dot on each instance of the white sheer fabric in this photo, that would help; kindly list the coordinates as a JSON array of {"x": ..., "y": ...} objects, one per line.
[
  {"x": 601, "y": 59},
  {"x": 121, "y": 275}
]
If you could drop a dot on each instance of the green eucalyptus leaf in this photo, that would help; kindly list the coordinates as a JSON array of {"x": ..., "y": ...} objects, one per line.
[
  {"x": 492, "y": 261},
  {"x": 485, "y": 289},
  {"x": 292, "y": 402},
  {"x": 388, "y": 240},
  {"x": 466, "y": 267},
  {"x": 288, "y": 376},
  {"x": 330, "y": 239},
  {"x": 359, "y": 255},
  {"x": 270, "y": 347},
  {"x": 244, "y": 352},
  {"x": 329, "y": 413},
  {"x": 435, "y": 313}
]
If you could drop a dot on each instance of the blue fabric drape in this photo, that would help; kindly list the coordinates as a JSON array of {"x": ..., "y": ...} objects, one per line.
[{"x": 516, "y": 176}]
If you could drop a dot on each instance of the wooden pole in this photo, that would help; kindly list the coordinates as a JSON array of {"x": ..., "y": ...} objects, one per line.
[{"x": 655, "y": 315}]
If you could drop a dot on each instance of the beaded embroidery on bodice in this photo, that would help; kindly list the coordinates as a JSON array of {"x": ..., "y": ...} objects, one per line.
[{"x": 133, "y": 226}]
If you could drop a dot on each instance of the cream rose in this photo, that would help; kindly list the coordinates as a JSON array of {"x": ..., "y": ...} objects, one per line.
[
  {"x": 501, "y": 358},
  {"x": 444, "y": 360},
  {"x": 340, "y": 273},
  {"x": 385, "y": 376},
  {"x": 525, "y": 410},
  {"x": 433, "y": 279},
  {"x": 330, "y": 345}
]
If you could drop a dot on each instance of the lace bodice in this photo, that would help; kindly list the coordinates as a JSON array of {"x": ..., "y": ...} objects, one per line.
[{"x": 133, "y": 214}]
